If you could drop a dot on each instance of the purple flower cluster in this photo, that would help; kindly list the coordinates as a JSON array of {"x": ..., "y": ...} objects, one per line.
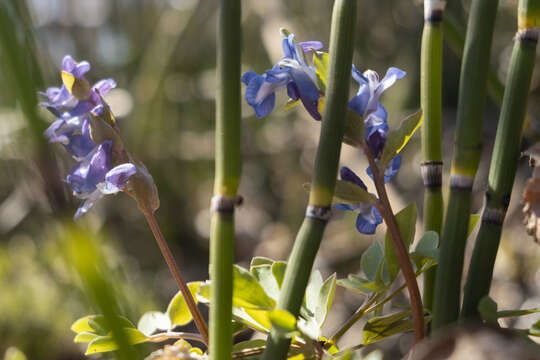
[
  {"x": 291, "y": 72},
  {"x": 73, "y": 104}
]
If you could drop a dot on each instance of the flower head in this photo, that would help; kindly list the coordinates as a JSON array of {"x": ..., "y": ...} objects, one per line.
[
  {"x": 291, "y": 72},
  {"x": 368, "y": 216},
  {"x": 75, "y": 104}
]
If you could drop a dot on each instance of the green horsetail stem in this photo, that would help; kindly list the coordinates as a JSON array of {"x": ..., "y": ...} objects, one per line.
[
  {"x": 467, "y": 151},
  {"x": 505, "y": 158},
  {"x": 227, "y": 178},
  {"x": 431, "y": 103},
  {"x": 310, "y": 235}
]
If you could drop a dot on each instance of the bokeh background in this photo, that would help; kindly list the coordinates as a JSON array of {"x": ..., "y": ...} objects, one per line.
[{"x": 162, "y": 55}]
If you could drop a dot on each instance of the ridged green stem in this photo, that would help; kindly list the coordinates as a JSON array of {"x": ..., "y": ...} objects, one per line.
[
  {"x": 227, "y": 177},
  {"x": 431, "y": 103},
  {"x": 502, "y": 169},
  {"x": 324, "y": 175},
  {"x": 467, "y": 151}
]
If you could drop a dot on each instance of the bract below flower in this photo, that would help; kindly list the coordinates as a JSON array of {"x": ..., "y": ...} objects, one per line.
[{"x": 368, "y": 216}]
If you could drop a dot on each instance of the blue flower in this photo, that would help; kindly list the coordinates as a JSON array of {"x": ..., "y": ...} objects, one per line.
[
  {"x": 390, "y": 170},
  {"x": 92, "y": 178},
  {"x": 368, "y": 216},
  {"x": 366, "y": 103},
  {"x": 371, "y": 89},
  {"x": 291, "y": 72}
]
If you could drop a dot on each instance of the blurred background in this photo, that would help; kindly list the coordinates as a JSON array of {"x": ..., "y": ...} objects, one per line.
[{"x": 162, "y": 55}]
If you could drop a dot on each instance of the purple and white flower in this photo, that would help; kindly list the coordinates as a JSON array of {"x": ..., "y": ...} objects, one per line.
[
  {"x": 93, "y": 178},
  {"x": 291, "y": 72}
]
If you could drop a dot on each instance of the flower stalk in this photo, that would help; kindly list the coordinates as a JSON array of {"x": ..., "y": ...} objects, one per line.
[
  {"x": 431, "y": 104},
  {"x": 505, "y": 157},
  {"x": 175, "y": 271},
  {"x": 227, "y": 178},
  {"x": 324, "y": 175},
  {"x": 467, "y": 152},
  {"x": 385, "y": 209}
]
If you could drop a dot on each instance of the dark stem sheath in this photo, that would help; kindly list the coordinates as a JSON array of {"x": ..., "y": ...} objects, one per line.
[
  {"x": 403, "y": 257},
  {"x": 175, "y": 271}
]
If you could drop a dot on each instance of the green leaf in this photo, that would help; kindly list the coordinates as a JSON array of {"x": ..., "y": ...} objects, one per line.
[
  {"x": 249, "y": 345},
  {"x": 247, "y": 292},
  {"x": 380, "y": 327},
  {"x": 260, "y": 260},
  {"x": 283, "y": 322},
  {"x": 397, "y": 139},
  {"x": 326, "y": 297},
  {"x": 406, "y": 221},
  {"x": 488, "y": 310},
  {"x": 473, "y": 221},
  {"x": 278, "y": 269},
  {"x": 106, "y": 343},
  {"x": 253, "y": 318},
  {"x": 320, "y": 60},
  {"x": 348, "y": 193},
  {"x": 154, "y": 321},
  {"x": 84, "y": 337},
  {"x": 370, "y": 260},
  {"x": 97, "y": 324},
  {"x": 513, "y": 313},
  {"x": 361, "y": 286},
  {"x": 427, "y": 249},
  {"x": 535, "y": 329},
  {"x": 237, "y": 327},
  {"x": 265, "y": 277},
  {"x": 354, "y": 129},
  {"x": 178, "y": 310},
  {"x": 312, "y": 291}
]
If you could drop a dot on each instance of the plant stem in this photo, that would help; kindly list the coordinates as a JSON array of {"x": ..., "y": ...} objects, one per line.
[
  {"x": 467, "y": 152},
  {"x": 362, "y": 310},
  {"x": 324, "y": 174},
  {"x": 403, "y": 257},
  {"x": 227, "y": 177},
  {"x": 503, "y": 165},
  {"x": 175, "y": 271},
  {"x": 431, "y": 103}
]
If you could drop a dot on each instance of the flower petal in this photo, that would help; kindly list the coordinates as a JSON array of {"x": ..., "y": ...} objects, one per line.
[
  {"x": 366, "y": 223},
  {"x": 392, "y": 75},
  {"x": 87, "y": 204},
  {"x": 307, "y": 46},
  {"x": 116, "y": 178},
  {"x": 348, "y": 175},
  {"x": 104, "y": 86},
  {"x": 308, "y": 91}
]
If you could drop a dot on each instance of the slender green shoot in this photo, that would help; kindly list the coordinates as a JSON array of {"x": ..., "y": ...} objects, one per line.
[
  {"x": 505, "y": 157},
  {"x": 227, "y": 178},
  {"x": 324, "y": 175},
  {"x": 467, "y": 152},
  {"x": 431, "y": 103}
]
